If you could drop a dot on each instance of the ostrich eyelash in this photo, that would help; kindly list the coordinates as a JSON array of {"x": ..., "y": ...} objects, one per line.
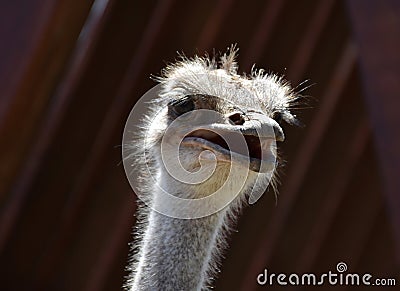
[
  {"x": 181, "y": 106},
  {"x": 278, "y": 117}
]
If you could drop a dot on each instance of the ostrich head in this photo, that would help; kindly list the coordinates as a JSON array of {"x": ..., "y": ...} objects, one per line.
[{"x": 215, "y": 120}]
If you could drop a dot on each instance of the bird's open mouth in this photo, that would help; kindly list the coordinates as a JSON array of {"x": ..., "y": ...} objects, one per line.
[{"x": 245, "y": 148}]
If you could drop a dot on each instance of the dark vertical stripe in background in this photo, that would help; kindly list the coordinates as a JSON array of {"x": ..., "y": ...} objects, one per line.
[{"x": 71, "y": 72}]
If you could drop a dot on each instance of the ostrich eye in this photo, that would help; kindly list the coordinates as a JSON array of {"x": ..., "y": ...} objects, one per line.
[
  {"x": 278, "y": 117},
  {"x": 181, "y": 106}
]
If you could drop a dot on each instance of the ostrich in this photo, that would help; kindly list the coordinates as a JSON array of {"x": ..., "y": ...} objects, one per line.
[{"x": 183, "y": 253}]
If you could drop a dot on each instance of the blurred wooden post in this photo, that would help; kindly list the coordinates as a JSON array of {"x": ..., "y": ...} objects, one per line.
[{"x": 376, "y": 26}]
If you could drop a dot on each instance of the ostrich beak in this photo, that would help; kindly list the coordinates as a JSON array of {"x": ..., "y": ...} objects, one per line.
[{"x": 252, "y": 143}]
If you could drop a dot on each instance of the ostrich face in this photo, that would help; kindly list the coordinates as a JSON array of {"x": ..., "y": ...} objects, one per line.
[
  {"x": 211, "y": 115},
  {"x": 230, "y": 132}
]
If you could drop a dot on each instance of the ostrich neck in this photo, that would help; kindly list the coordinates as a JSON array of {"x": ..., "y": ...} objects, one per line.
[{"x": 176, "y": 253}]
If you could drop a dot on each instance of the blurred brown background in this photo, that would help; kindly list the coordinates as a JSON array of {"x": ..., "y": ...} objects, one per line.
[{"x": 70, "y": 71}]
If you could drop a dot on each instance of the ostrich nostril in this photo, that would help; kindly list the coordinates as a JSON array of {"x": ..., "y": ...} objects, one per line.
[{"x": 236, "y": 118}]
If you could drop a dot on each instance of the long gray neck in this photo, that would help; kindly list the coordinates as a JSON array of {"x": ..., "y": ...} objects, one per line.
[{"x": 176, "y": 254}]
